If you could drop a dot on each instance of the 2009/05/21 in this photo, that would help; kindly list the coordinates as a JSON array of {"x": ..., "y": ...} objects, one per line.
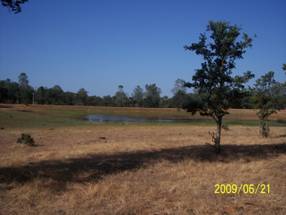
[{"x": 242, "y": 189}]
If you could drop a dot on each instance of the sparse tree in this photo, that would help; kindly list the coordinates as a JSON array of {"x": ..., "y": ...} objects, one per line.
[
  {"x": 180, "y": 93},
  {"x": 23, "y": 80},
  {"x": 220, "y": 47},
  {"x": 267, "y": 91},
  {"x": 138, "y": 96},
  {"x": 120, "y": 97}
]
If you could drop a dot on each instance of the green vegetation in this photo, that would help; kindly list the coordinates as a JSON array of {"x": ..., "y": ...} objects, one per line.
[
  {"x": 42, "y": 116},
  {"x": 21, "y": 92},
  {"x": 268, "y": 97},
  {"x": 220, "y": 47}
]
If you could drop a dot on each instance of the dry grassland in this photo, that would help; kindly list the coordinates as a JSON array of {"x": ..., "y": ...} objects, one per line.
[{"x": 140, "y": 169}]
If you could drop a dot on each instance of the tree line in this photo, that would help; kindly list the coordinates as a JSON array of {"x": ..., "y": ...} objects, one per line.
[{"x": 21, "y": 92}]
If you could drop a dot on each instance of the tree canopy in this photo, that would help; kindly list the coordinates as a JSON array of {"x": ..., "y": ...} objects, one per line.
[
  {"x": 13, "y": 5},
  {"x": 220, "y": 46},
  {"x": 268, "y": 96}
]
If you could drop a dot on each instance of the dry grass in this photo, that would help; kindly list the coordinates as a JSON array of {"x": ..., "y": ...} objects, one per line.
[{"x": 140, "y": 169}]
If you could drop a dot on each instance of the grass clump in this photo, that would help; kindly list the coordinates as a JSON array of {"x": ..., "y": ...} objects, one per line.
[{"x": 26, "y": 139}]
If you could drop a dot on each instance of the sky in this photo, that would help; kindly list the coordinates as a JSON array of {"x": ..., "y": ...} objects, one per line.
[{"x": 100, "y": 44}]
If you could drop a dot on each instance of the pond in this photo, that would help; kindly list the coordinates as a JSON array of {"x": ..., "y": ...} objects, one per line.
[
  {"x": 110, "y": 118},
  {"x": 102, "y": 118}
]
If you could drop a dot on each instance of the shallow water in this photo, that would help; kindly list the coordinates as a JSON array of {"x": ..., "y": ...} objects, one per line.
[
  {"x": 108, "y": 118},
  {"x": 102, "y": 118}
]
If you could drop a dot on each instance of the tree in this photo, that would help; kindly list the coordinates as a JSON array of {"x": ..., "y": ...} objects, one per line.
[
  {"x": 138, "y": 96},
  {"x": 23, "y": 80},
  {"x": 267, "y": 91},
  {"x": 120, "y": 97},
  {"x": 41, "y": 95},
  {"x": 179, "y": 86},
  {"x": 55, "y": 95},
  {"x": 82, "y": 96},
  {"x": 9, "y": 91},
  {"x": 284, "y": 67},
  {"x": 69, "y": 98},
  {"x": 107, "y": 101},
  {"x": 3, "y": 92},
  {"x": 180, "y": 94},
  {"x": 13, "y": 5},
  {"x": 25, "y": 90},
  {"x": 220, "y": 47},
  {"x": 165, "y": 102},
  {"x": 152, "y": 95}
]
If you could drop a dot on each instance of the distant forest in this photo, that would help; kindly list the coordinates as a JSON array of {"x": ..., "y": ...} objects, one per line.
[{"x": 21, "y": 92}]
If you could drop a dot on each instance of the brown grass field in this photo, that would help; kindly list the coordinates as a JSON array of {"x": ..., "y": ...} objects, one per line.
[{"x": 137, "y": 168}]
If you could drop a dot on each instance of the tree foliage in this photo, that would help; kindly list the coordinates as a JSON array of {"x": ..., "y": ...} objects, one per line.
[
  {"x": 25, "y": 90},
  {"x": 220, "y": 47},
  {"x": 180, "y": 94},
  {"x": 13, "y": 5},
  {"x": 268, "y": 93},
  {"x": 120, "y": 97},
  {"x": 152, "y": 95},
  {"x": 138, "y": 96},
  {"x": 82, "y": 96}
]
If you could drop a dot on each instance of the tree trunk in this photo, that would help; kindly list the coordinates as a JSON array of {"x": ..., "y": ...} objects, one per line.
[
  {"x": 264, "y": 128},
  {"x": 218, "y": 134}
]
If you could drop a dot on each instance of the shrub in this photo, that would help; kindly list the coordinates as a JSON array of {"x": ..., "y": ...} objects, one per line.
[
  {"x": 26, "y": 139},
  {"x": 225, "y": 127}
]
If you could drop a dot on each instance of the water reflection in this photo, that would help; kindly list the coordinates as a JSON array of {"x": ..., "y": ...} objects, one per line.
[{"x": 100, "y": 118}]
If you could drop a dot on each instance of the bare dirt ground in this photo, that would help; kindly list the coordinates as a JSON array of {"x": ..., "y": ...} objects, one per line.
[{"x": 140, "y": 169}]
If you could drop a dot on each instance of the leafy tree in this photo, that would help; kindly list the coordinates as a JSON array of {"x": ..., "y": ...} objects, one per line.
[
  {"x": 95, "y": 100},
  {"x": 69, "y": 98},
  {"x": 267, "y": 100},
  {"x": 120, "y": 97},
  {"x": 152, "y": 95},
  {"x": 217, "y": 89},
  {"x": 107, "y": 101},
  {"x": 41, "y": 95},
  {"x": 3, "y": 92},
  {"x": 9, "y": 91},
  {"x": 23, "y": 80},
  {"x": 180, "y": 94},
  {"x": 55, "y": 95},
  {"x": 179, "y": 86},
  {"x": 138, "y": 96},
  {"x": 25, "y": 90},
  {"x": 13, "y": 5},
  {"x": 165, "y": 102},
  {"x": 82, "y": 96}
]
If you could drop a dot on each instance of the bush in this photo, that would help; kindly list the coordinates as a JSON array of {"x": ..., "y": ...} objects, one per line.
[
  {"x": 26, "y": 139},
  {"x": 225, "y": 127}
]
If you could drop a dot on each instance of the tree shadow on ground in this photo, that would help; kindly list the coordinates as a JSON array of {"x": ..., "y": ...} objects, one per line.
[{"x": 95, "y": 166}]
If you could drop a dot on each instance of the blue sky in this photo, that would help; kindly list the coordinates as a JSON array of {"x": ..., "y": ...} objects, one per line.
[{"x": 99, "y": 44}]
